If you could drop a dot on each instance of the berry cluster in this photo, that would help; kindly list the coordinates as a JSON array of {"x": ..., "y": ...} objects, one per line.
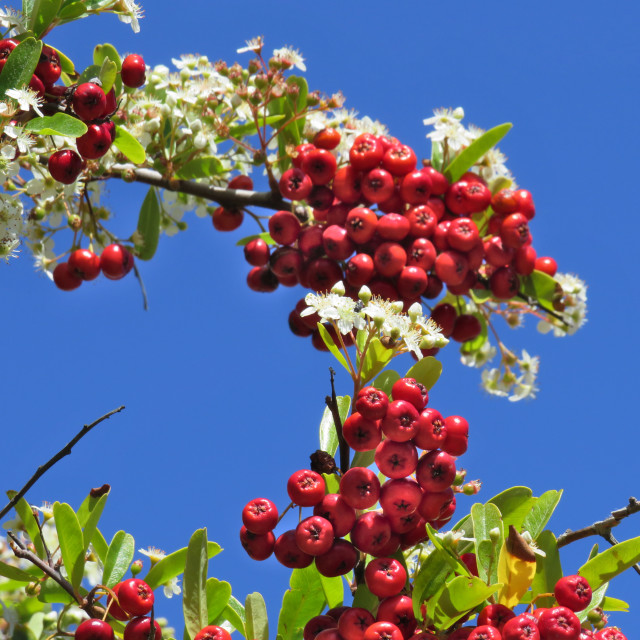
[
  {"x": 115, "y": 262},
  {"x": 404, "y": 231},
  {"x": 395, "y": 429}
]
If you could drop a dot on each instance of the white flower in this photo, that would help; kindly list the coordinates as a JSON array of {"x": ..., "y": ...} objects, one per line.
[
  {"x": 493, "y": 383},
  {"x": 574, "y": 299},
  {"x": 331, "y": 306},
  {"x": 480, "y": 357},
  {"x": 23, "y": 140},
  {"x": 444, "y": 117},
  {"x": 255, "y": 45},
  {"x": 290, "y": 56},
  {"x": 172, "y": 588},
  {"x": 129, "y": 12},
  {"x": 154, "y": 555},
  {"x": 523, "y": 389},
  {"x": 27, "y": 99}
]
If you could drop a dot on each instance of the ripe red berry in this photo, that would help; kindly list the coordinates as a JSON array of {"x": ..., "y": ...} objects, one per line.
[
  {"x": 48, "y": 68},
  {"x": 224, "y": 219},
  {"x": 256, "y": 252},
  {"x": 320, "y": 165},
  {"x": 359, "y": 270},
  {"x": 400, "y": 496},
  {"x": 495, "y": 615},
  {"x": 399, "y": 160},
  {"x": 412, "y": 391},
  {"x": 372, "y": 403},
  {"x": 401, "y": 420},
  {"x": 366, "y": 152},
  {"x": 466, "y": 327},
  {"x": 377, "y": 185},
  {"x": 339, "y": 560},
  {"x": 94, "y": 629},
  {"x": 451, "y": 267},
  {"x": 116, "y": 261},
  {"x": 383, "y": 631},
  {"x": 89, "y": 101},
  {"x": 520, "y": 627},
  {"x": 85, "y": 264},
  {"x": 415, "y": 188},
  {"x": 289, "y": 554},
  {"x": 385, "y": 577},
  {"x": 361, "y": 224},
  {"x": 546, "y": 265},
  {"x": 138, "y": 629},
  {"x": 135, "y": 597},
  {"x": 65, "y": 166},
  {"x": 314, "y": 535},
  {"x": 337, "y": 243},
  {"x": 327, "y": 139},
  {"x": 559, "y": 623},
  {"x": 258, "y": 546},
  {"x": 573, "y": 592},
  {"x": 515, "y": 231},
  {"x": 360, "y": 487},
  {"x": 389, "y": 259},
  {"x": 260, "y": 515},
  {"x": 504, "y": 283},
  {"x": 262, "y": 280},
  {"x": 396, "y": 459},
  {"x": 371, "y": 532},
  {"x": 485, "y": 632},
  {"x": 433, "y": 503},
  {"x": 306, "y": 488},
  {"x": 284, "y": 227},
  {"x": 295, "y": 184},
  {"x": 432, "y": 430},
  {"x": 346, "y": 184},
  {"x": 360, "y": 433},
  {"x": 95, "y": 142},
  {"x": 457, "y": 430},
  {"x": 133, "y": 71},
  {"x": 335, "y": 509},
  {"x": 354, "y": 622},
  {"x": 212, "y": 632},
  {"x": 436, "y": 471},
  {"x": 317, "y": 624},
  {"x": 610, "y": 633},
  {"x": 64, "y": 278}
]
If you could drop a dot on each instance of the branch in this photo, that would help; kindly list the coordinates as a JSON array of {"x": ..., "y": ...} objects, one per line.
[
  {"x": 602, "y": 527},
  {"x": 332, "y": 403},
  {"x": 232, "y": 198},
  {"x": 65, "y": 451}
]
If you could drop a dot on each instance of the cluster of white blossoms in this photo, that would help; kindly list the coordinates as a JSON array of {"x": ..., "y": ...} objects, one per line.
[
  {"x": 507, "y": 383},
  {"x": 574, "y": 301},
  {"x": 415, "y": 330}
]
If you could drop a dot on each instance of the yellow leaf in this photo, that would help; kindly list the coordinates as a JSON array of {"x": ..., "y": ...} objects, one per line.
[{"x": 516, "y": 568}]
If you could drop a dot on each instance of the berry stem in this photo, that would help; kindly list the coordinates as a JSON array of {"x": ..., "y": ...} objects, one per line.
[{"x": 332, "y": 403}]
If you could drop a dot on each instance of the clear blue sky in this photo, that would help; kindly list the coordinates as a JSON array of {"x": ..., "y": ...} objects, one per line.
[{"x": 223, "y": 402}]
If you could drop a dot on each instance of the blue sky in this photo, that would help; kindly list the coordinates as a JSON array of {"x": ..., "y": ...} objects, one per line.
[{"x": 223, "y": 402}]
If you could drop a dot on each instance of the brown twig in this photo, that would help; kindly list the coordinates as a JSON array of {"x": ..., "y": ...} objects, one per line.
[
  {"x": 232, "y": 198},
  {"x": 65, "y": 451},
  {"x": 332, "y": 402},
  {"x": 602, "y": 527}
]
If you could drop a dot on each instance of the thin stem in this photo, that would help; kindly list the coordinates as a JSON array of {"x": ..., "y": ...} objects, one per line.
[
  {"x": 65, "y": 451},
  {"x": 332, "y": 402},
  {"x": 145, "y": 300}
]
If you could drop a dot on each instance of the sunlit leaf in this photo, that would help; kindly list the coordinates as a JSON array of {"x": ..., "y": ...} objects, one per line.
[
  {"x": 20, "y": 65},
  {"x": 173, "y": 565},
  {"x": 611, "y": 562},
  {"x": 129, "y": 146},
  {"x": 426, "y": 371},
  {"x": 149, "y": 225},
  {"x": 71, "y": 542},
  {"x": 328, "y": 435},
  {"x": 256, "y": 623},
  {"x": 194, "y": 599},
  {"x": 119, "y": 558}
]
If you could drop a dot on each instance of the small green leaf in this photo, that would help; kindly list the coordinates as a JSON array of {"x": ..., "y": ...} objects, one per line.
[
  {"x": 514, "y": 504},
  {"x": 20, "y": 65},
  {"x": 597, "y": 596},
  {"x": 13, "y": 573},
  {"x": 433, "y": 573},
  {"x": 218, "y": 594},
  {"x": 202, "y": 167},
  {"x": 543, "y": 288},
  {"x": 173, "y": 565},
  {"x": 266, "y": 236},
  {"x": 426, "y": 371},
  {"x": 51, "y": 591},
  {"x": 234, "y": 614},
  {"x": 485, "y": 518},
  {"x": 548, "y": 569},
  {"x": 298, "y": 103},
  {"x": 611, "y": 562},
  {"x": 60, "y": 124},
  {"x": 73, "y": 11},
  {"x": 375, "y": 359},
  {"x": 248, "y": 129},
  {"x": 45, "y": 11},
  {"x": 301, "y": 602},
  {"x": 25, "y": 513},
  {"x": 149, "y": 225},
  {"x": 364, "y": 599},
  {"x": 474, "y": 152},
  {"x": 332, "y": 482},
  {"x": 536, "y": 520},
  {"x": 363, "y": 458},
  {"x": 436, "y": 155},
  {"x": 129, "y": 146},
  {"x": 333, "y": 589},
  {"x": 194, "y": 600},
  {"x": 613, "y": 604},
  {"x": 594, "y": 551},
  {"x": 328, "y": 340},
  {"x": 328, "y": 435},
  {"x": 71, "y": 542},
  {"x": 108, "y": 74},
  {"x": 91, "y": 524},
  {"x": 118, "y": 559},
  {"x": 90, "y": 74},
  {"x": 460, "y": 596},
  {"x": 100, "y": 546},
  {"x": 102, "y": 52},
  {"x": 256, "y": 623},
  {"x": 456, "y": 564},
  {"x": 386, "y": 380}
]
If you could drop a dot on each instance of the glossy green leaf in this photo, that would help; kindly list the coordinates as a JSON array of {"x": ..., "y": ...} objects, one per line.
[
  {"x": 73, "y": 11},
  {"x": 485, "y": 518},
  {"x": 51, "y": 591},
  {"x": 256, "y": 623},
  {"x": 20, "y": 65},
  {"x": 201, "y": 167},
  {"x": 194, "y": 584},
  {"x": 375, "y": 359},
  {"x": 266, "y": 236},
  {"x": 597, "y": 597},
  {"x": 333, "y": 589},
  {"x": 71, "y": 542},
  {"x": 514, "y": 504},
  {"x": 13, "y": 573},
  {"x": 249, "y": 128},
  {"x": 149, "y": 225},
  {"x": 90, "y": 74},
  {"x": 328, "y": 340},
  {"x": 301, "y": 602},
  {"x": 43, "y": 14},
  {"x": 102, "y": 52},
  {"x": 108, "y": 74},
  {"x": 363, "y": 598},
  {"x": 542, "y": 510},
  {"x": 129, "y": 146},
  {"x": 460, "y": 596},
  {"x": 173, "y": 565},
  {"x": 614, "y": 604},
  {"x": 91, "y": 524},
  {"x": 433, "y": 573},
  {"x": 611, "y": 562},
  {"x": 436, "y": 155},
  {"x": 86, "y": 508},
  {"x": 594, "y": 551},
  {"x": 328, "y": 435},
  {"x": 548, "y": 569},
  {"x": 541, "y": 287},
  {"x": 218, "y": 594},
  {"x": 299, "y": 102},
  {"x": 100, "y": 546},
  {"x": 386, "y": 380},
  {"x": 332, "y": 482},
  {"x": 60, "y": 124},
  {"x": 234, "y": 614},
  {"x": 118, "y": 559},
  {"x": 474, "y": 152},
  {"x": 426, "y": 371},
  {"x": 25, "y": 513}
]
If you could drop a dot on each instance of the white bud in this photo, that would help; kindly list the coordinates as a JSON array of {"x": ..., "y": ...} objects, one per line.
[
  {"x": 152, "y": 126},
  {"x": 200, "y": 141},
  {"x": 338, "y": 288},
  {"x": 364, "y": 294},
  {"x": 414, "y": 311},
  {"x": 397, "y": 306}
]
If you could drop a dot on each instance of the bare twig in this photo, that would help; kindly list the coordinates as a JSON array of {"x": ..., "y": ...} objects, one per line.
[
  {"x": 232, "y": 198},
  {"x": 143, "y": 290},
  {"x": 65, "y": 451},
  {"x": 602, "y": 527},
  {"x": 332, "y": 402}
]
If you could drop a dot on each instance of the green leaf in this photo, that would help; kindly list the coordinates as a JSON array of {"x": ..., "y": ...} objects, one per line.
[
  {"x": 129, "y": 146},
  {"x": 108, "y": 74},
  {"x": 541, "y": 287},
  {"x": 332, "y": 482},
  {"x": 328, "y": 436},
  {"x": 613, "y": 604},
  {"x": 71, "y": 542},
  {"x": 375, "y": 359},
  {"x": 91, "y": 73},
  {"x": 149, "y": 225},
  {"x": 597, "y": 597},
  {"x": 474, "y": 152},
  {"x": 452, "y": 558},
  {"x": 20, "y": 65},
  {"x": 118, "y": 559},
  {"x": 256, "y": 623},
  {"x": 218, "y": 594},
  {"x": 266, "y": 236},
  {"x": 301, "y": 602},
  {"x": 173, "y": 565},
  {"x": 386, "y": 380},
  {"x": 100, "y": 546},
  {"x": 25, "y": 513},
  {"x": 426, "y": 371},
  {"x": 60, "y": 124},
  {"x": 51, "y": 591},
  {"x": 194, "y": 600},
  {"x": 594, "y": 551},
  {"x": 436, "y": 155},
  {"x": 460, "y": 596},
  {"x": 298, "y": 103},
  {"x": 433, "y": 573},
  {"x": 363, "y": 598},
  {"x": 514, "y": 504},
  {"x": 363, "y": 458},
  {"x": 333, "y": 589},
  {"x": 485, "y": 518},
  {"x": 13, "y": 573},
  {"x": 73, "y": 11},
  {"x": 548, "y": 569},
  {"x": 249, "y": 128},
  {"x": 102, "y": 52},
  {"x": 91, "y": 524},
  {"x": 45, "y": 11},
  {"x": 328, "y": 340},
  {"x": 611, "y": 562},
  {"x": 234, "y": 614},
  {"x": 202, "y": 167},
  {"x": 541, "y": 512},
  {"x": 500, "y": 183}
]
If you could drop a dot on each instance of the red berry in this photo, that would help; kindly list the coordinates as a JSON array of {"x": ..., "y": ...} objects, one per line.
[
  {"x": 256, "y": 252},
  {"x": 284, "y": 227},
  {"x": 212, "y": 632},
  {"x": 133, "y": 71},
  {"x": 504, "y": 283},
  {"x": 436, "y": 471},
  {"x": 485, "y": 632},
  {"x": 327, "y": 139},
  {"x": 319, "y": 165},
  {"x": 359, "y": 270},
  {"x": 396, "y": 459},
  {"x": 546, "y": 265},
  {"x": 445, "y": 316},
  {"x": 65, "y": 278},
  {"x": 610, "y": 633},
  {"x": 457, "y": 430},
  {"x": 361, "y": 224},
  {"x": 432, "y": 430},
  {"x": 401, "y": 420},
  {"x": 262, "y": 280},
  {"x": 339, "y": 560},
  {"x": 288, "y": 553},
  {"x": 260, "y": 515},
  {"x": 433, "y": 503},
  {"x": 423, "y": 221},
  {"x": 400, "y": 497},
  {"x": 389, "y": 259},
  {"x": 95, "y": 142},
  {"x": 346, "y": 184},
  {"x": 559, "y": 623},
  {"x": 48, "y": 68},
  {"x": 463, "y": 234},
  {"x": 335, "y": 509},
  {"x": 466, "y": 327},
  {"x": 515, "y": 231},
  {"x": 385, "y": 577},
  {"x": 94, "y": 629},
  {"x": 366, "y": 152},
  {"x": 306, "y": 488},
  {"x": 316, "y": 625},
  {"x": 258, "y": 546},
  {"x": 85, "y": 264},
  {"x": 573, "y": 592},
  {"x": 495, "y": 615},
  {"x": 354, "y": 622},
  {"x": 412, "y": 391},
  {"x": 314, "y": 535},
  {"x": 138, "y": 629},
  {"x": 135, "y": 597},
  {"x": 336, "y": 242},
  {"x": 377, "y": 185},
  {"x": 89, "y": 101},
  {"x": 295, "y": 184},
  {"x": 116, "y": 261},
  {"x": 439, "y": 183},
  {"x": 372, "y": 403},
  {"x": 415, "y": 188},
  {"x": 226, "y": 219},
  {"x": 383, "y": 631},
  {"x": 399, "y": 160},
  {"x": 65, "y": 166},
  {"x": 241, "y": 182},
  {"x": 360, "y": 487},
  {"x": 360, "y": 433},
  {"x": 520, "y": 627}
]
